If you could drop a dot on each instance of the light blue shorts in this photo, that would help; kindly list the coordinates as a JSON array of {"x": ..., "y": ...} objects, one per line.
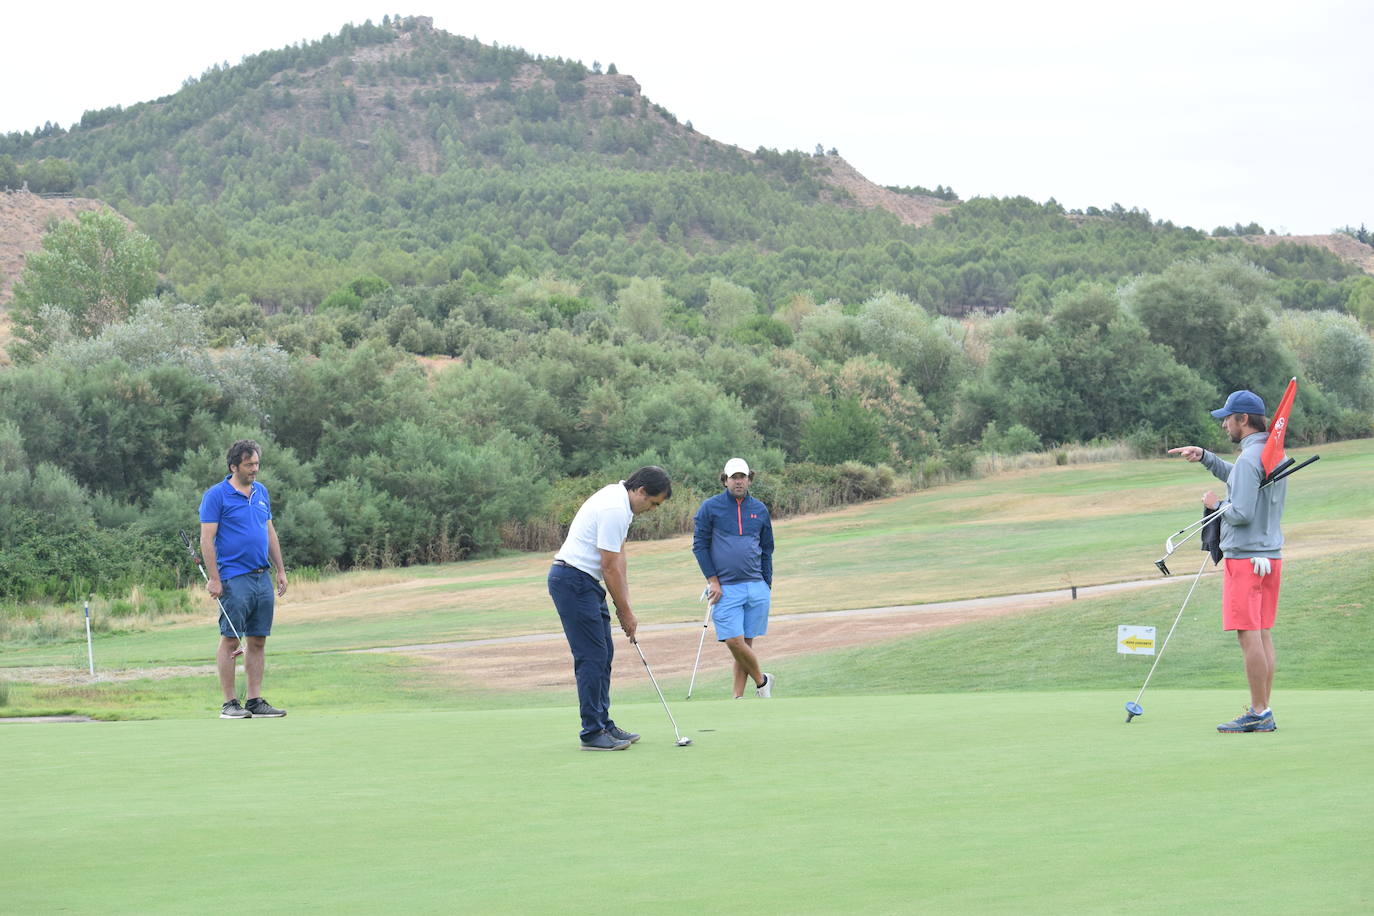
[{"x": 742, "y": 610}]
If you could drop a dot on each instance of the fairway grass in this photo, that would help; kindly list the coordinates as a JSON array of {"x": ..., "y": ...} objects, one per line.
[
  {"x": 978, "y": 768},
  {"x": 941, "y": 803}
]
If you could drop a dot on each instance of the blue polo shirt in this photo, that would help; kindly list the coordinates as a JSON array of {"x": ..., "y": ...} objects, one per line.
[{"x": 241, "y": 539}]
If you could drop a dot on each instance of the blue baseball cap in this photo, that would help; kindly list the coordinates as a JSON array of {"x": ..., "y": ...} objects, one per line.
[{"x": 1241, "y": 402}]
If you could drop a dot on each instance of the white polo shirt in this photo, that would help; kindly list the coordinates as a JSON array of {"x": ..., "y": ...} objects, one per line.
[{"x": 600, "y": 524}]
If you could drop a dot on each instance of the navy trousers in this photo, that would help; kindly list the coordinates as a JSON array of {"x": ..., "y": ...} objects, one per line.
[{"x": 581, "y": 604}]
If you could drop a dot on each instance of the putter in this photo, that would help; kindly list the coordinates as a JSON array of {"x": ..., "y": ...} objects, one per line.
[
  {"x": 681, "y": 741},
  {"x": 200, "y": 566},
  {"x": 1133, "y": 709},
  {"x": 1179, "y": 537},
  {"x": 701, "y": 642}
]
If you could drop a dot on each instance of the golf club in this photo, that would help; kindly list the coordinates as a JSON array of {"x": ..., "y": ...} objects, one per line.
[
  {"x": 196, "y": 559},
  {"x": 1178, "y": 538},
  {"x": 681, "y": 741},
  {"x": 1133, "y": 709},
  {"x": 701, "y": 642}
]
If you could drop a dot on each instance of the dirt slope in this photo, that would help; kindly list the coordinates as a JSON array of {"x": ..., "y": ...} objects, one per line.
[
  {"x": 24, "y": 219},
  {"x": 913, "y": 211},
  {"x": 1349, "y": 250}
]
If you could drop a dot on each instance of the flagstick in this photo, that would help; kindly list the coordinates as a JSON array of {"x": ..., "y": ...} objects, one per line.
[{"x": 90, "y": 650}]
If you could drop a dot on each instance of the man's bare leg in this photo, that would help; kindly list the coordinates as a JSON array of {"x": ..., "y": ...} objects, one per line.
[
  {"x": 224, "y": 665},
  {"x": 746, "y": 662},
  {"x": 1258, "y": 651},
  {"x": 253, "y": 664}
]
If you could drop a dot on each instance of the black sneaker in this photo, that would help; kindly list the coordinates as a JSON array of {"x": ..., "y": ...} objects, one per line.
[
  {"x": 232, "y": 710},
  {"x": 602, "y": 741},
  {"x": 259, "y": 708},
  {"x": 620, "y": 734}
]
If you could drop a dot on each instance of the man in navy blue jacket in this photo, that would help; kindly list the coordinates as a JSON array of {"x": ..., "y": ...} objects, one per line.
[{"x": 733, "y": 544}]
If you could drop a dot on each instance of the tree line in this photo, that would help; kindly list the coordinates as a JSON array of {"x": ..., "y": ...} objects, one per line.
[{"x": 116, "y": 415}]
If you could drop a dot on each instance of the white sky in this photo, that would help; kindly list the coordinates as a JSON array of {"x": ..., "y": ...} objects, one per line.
[{"x": 1204, "y": 112}]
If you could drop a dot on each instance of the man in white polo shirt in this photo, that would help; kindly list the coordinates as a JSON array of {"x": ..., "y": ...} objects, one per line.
[{"x": 593, "y": 553}]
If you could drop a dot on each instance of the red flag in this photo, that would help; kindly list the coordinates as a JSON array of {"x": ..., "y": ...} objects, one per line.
[{"x": 1278, "y": 428}]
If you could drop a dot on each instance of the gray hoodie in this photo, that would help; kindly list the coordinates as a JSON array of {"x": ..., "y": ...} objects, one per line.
[{"x": 1250, "y": 524}]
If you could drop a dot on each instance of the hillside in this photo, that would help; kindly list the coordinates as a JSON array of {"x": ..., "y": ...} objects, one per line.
[
  {"x": 911, "y": 210},
  {"x": 1349, "y": 250},
  {"x": 595, "y": 286},
  {"x": 402, "y": 152},
  {"x": 24, "y": 219}
]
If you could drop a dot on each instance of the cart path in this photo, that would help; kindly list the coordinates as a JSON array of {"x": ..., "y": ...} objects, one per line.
[{"x": 541, "y": 660}]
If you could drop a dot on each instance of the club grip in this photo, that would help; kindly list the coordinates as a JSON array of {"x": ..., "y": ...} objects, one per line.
[{"x": 1283, "y": 471}]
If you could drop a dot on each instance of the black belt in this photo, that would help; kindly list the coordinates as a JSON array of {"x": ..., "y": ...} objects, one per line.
[
  {"x": 561, "y": 563},
  {"x": 260, "y": 569}
]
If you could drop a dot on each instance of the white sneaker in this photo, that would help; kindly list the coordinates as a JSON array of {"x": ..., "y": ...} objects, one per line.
[{"x": 766, "y": 690}]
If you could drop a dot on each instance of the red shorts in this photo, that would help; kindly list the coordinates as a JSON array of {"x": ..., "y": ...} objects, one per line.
[{"x": 1248, "y": 601}]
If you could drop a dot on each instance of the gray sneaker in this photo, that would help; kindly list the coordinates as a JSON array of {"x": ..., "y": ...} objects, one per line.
[
  {"x": 259, "y": 708},
  {"x": 766, "y": 690},
  {"x": 620, "y": 734},
  {"x": 232, "y": 710},
  {"x": 602, "y": 741}
]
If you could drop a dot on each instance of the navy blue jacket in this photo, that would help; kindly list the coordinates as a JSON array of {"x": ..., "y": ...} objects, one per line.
[{"x": 733, "y": 539}]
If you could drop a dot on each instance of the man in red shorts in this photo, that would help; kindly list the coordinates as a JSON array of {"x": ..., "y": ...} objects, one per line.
[{"x": 1251, "y": 541}]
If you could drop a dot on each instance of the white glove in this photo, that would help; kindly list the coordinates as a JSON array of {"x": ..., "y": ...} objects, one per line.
[{"x": 1261, "y": 565}]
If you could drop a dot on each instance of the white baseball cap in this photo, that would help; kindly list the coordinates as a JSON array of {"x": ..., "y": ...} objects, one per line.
[{"x": 736, "y": 466}]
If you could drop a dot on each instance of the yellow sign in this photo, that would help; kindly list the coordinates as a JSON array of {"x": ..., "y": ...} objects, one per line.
[{"x": 1135, "y": 640}]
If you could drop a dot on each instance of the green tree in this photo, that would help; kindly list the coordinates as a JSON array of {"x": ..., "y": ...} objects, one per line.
[
  {"x": 1333, "y": 351},
  {"x": 50, "y": 176},
  {"x": 1215, "y": 316},
  {"x": 827, "y": 334},
  {"x": 924, "y": 349},
  {"x": 9, "y": 173},
  {"x": 93, "y": 269},
  {"x": 642, "y": 307},
  {"x": 728, "y": 306},
  {"x": 1360, "y": 301},
  {"x": 841, "y": 430},
  {"x": 1087, "y": 370}
]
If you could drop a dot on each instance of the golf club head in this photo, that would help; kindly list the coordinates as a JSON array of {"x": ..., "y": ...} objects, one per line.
[
  {"x": 683, "y": 742},
  {"x": 1133, "y": 710},
  {"x": 1162, "y": 568}
]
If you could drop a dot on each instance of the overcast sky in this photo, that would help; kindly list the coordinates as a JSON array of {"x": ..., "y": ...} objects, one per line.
[{"x": 1204, "y": 112}]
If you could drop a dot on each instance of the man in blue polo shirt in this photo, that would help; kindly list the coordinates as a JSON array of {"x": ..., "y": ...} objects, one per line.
[
  {"x": 733, "y": 544},
  {"x": 237, "y": 540}
]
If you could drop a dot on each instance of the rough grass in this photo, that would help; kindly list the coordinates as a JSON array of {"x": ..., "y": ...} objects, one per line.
[{"x": 1034, "y": 530}]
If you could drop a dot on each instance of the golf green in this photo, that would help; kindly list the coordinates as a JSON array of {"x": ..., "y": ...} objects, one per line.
[{"x": 1042, "y": 803}]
